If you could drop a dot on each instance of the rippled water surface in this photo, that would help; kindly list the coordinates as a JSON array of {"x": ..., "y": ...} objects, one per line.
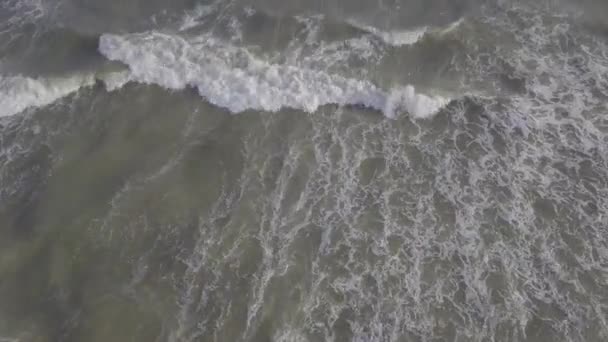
[{"x": 338, "y": 170}]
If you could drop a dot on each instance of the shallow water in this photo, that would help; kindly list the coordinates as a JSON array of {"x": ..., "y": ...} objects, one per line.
[{"x": 260, "y": 170}]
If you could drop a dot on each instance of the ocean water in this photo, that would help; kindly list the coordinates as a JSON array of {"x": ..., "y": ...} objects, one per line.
[{"x": 303, "y": 170}]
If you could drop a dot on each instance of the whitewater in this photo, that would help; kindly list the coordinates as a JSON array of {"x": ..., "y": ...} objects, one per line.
[
  {"x": 295, "y": 170},
  {"x": 225, "y": 75}
]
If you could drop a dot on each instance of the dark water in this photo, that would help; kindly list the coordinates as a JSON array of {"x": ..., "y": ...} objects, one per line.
[{"x": 264, "y": 170}]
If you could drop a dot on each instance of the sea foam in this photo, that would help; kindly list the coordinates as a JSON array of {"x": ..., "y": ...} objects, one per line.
[
  {"x": 393, "y": 37},
  {"x": 225, "y": 75},
  {"x": 233, "y": 78},
  {"x": 18, "y": 93},
  {"x": 405, "y": 37}
]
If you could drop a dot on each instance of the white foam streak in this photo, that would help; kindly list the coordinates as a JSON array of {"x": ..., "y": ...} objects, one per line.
[
  {"x": 197, "y": 15},
  {"x": 232, "y": 78},
  {"x": 21, "y": 12}
]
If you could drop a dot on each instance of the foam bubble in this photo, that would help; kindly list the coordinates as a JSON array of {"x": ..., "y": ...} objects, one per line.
[
  {"x": 18, "y": 93},
  {"x": 232, "y": 78}
]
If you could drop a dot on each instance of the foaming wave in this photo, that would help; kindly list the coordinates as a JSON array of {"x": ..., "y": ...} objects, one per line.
[
  {"x": 232, "y": 78},
  {"x": 18, "y": 93},
  {"x": 115, "y": 80},
  {"x": 394, "y": 38},
  {"x": 399, "y": 38}
]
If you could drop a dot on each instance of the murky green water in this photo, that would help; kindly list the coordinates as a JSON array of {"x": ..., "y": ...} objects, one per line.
[{"x": 232, "y": 174}]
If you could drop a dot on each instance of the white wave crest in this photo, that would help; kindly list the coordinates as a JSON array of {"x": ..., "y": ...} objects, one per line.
[
  {"x": 18, "y": 93},
  {"x": 232, "y": 78},
  {"x": 114, "y": 80},
  {"x": 412, "y": 36},
  {"x": 393, "y": 38},
  {"x": 400, "y": 38}
]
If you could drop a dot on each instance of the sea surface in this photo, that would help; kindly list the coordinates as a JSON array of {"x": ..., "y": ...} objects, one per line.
[{"x": 303, "y": 170}]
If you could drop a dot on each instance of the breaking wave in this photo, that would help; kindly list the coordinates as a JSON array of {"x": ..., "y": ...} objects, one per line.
[{"x": 233, "y": 78}]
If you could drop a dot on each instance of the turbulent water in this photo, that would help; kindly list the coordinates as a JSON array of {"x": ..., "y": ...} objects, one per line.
[{"x": 303, "y": 170}]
